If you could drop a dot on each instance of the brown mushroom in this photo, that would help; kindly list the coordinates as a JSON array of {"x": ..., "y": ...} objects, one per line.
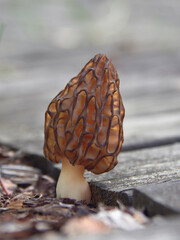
[{"x": 84, "y": 127}]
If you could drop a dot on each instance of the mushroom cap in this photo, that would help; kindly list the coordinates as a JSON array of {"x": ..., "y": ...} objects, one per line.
[{"x": 84, "y": 122}]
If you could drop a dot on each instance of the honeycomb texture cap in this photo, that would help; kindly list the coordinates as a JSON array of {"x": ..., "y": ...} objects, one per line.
[{"x": 84, "y": 122}]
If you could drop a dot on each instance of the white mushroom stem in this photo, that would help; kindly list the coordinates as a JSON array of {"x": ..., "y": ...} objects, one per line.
[{"x": 71, "y": 183}]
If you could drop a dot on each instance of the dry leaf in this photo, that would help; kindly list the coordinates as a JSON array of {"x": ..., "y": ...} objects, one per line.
[
  {"x": 85, "y": 225},
  {"x": 118, "y": 219}
]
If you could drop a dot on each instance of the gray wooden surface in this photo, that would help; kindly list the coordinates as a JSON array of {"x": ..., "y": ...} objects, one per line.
[
  {"x": 142, "y": 171},
  {"x": 34, "y": 69},
  {"x": 44, "y": 45}
]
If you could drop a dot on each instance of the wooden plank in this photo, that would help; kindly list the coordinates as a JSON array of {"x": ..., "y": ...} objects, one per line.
[
  {"x": 158, "y": 198},
  {"x": 152, "y": 130},
  {"x": 136, "y": 169},
  {"x": 152, "y": 106}
]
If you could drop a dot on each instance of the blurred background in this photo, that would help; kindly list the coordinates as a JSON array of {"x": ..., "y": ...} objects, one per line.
[{"x": 43, "y": 44}]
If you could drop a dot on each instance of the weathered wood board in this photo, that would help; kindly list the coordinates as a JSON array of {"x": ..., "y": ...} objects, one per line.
[
  {"x": 141, "y": 167},
  {"x": 142, "y": 171},
  {"x": 158, "y": 198},
  {"x": 152, "y": 103}
]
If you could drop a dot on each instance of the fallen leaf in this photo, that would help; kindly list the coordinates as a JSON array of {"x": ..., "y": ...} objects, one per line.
[
  {"x": 121, "y": 219},
  {"x": 84, "y": 225}
]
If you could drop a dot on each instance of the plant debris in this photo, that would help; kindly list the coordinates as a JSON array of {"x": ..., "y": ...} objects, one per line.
[{"x": 28, "y": 205}]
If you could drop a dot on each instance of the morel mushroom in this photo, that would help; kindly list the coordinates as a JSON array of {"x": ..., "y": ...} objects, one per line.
[{"x": 84, "y": 127}]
